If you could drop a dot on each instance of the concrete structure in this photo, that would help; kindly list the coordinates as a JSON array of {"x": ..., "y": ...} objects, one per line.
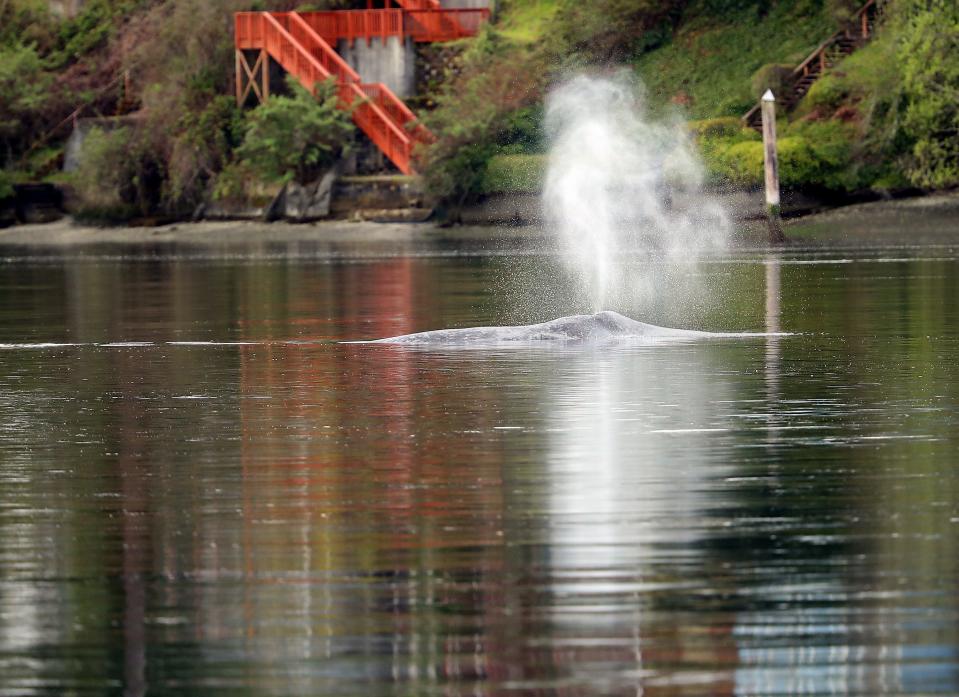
[
  {"x": 73, "y": 151},
  {"x": 390, "y": 60}
]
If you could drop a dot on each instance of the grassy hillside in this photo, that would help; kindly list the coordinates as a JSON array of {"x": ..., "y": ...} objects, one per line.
[
  {"x": 887, "y": 117},
  {"x": 708, "y": 64}
]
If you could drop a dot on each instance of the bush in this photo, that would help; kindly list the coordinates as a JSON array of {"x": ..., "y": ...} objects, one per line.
[
  {"x": 6, "y": 186},
  {"x": 514, "y": 173},
  {"x": 819, "y": 153},
  {"x": 201, "y": 146},
  {"x": 91, "y": 28},
  {"x": 491, "y": 108},
  {"x": 120, "y": 175},
  {"x": 827, "y": 93},
  {"x": 929, "y": 61},
  {"x": 296, "y": 137},
  {"x": 843, "y": 10},
  {"x": 740, "y": 164},
  {"x": 721, "y": 127},
  {"x": 810, "y": 154},
  {"x": 772, "y": 76},
  {"x": 27, "y": 22},
  {"x": 24, "y": 90}
]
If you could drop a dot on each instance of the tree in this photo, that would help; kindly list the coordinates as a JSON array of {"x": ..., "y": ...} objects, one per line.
[
  {"x": 297, "y": 137},
  {"x": 24, "y": 89},
  {"x": 929, "y": 55}
]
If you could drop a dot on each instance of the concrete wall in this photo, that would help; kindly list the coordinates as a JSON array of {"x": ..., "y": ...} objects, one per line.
[
  {"x": 73, "y": 150},
  {"x": 391, "y": 61}
]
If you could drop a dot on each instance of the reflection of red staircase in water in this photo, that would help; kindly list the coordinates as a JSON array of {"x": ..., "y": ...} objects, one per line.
[{"x": 302, "y": 44}]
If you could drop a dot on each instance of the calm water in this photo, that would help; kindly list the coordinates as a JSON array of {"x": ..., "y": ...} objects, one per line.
[{"x": 202, "y": 493}]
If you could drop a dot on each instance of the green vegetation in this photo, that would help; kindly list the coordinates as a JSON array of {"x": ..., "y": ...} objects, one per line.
[
  {"x": 288, "y": 138},
  {"x": 520, "y": 173},
  {"x": 709, "y": 65},
  {"x": 810, "y": 154},
  {"x": 929, "y": 55},
  {"x": 296, "y": 137},
  {"x": 119, "y": 175},
  {"x": 171, "y": 61},
  {"x": 492, "y": 108},
  {"x": 6, "y": 185},
  {"x": 525, "y": 21},
  {"x": 886, "y": 117}
]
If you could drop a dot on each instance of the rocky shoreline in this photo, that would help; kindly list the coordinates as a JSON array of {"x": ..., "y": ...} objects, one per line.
[{"x": 932, "y": 219}]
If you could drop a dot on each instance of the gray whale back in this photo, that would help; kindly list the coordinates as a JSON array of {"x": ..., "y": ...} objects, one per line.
[{"x": 606, "y": 326}]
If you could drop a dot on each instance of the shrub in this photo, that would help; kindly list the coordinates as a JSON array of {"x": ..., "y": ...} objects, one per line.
[
  {"x": 772, "y": 76},
  {"x": 843, "y": 10},
  {"x": 740, "y": 163},
  {"x": 120, "y": 175},
  {"x": 827, "y": 93},
  {"x": 864, "y": 96},
  {"x": 296, "y": 137},
  {"x": 24, "y": 90},
  {"x": 492, "y": 107},
  {"x": 27, "y": 22},
  {"x": 819, "y": 153},
  {"x": 810, "y": 154},
  {"x": 6, "y": 186},
  {"x": 91, "y": 28},
  {"x": 721, "y": 127},
  {"x": 201, "y": 146},
  {"x": 514, "y": 173},
  {"x": 929, "y": 61}
]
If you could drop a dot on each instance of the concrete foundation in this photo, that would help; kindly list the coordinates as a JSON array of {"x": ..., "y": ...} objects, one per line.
[{"x": 390, "y": 60}]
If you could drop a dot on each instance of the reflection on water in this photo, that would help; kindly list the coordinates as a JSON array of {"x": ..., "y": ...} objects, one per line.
[{"x": 201, "y": 492}]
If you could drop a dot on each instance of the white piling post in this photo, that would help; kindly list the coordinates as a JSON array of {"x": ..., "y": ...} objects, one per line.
[{"x": 771, "y": 160}]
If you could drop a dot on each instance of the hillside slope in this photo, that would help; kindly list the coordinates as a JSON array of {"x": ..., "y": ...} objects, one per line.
[{"x": 882, "y": 118}]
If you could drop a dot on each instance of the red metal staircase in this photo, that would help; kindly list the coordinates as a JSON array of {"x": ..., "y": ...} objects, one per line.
[{"x": 302, "y": 44}]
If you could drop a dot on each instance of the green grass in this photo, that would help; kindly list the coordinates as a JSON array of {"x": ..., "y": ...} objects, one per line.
[
  {"x": 524, "y": 21},
  {"x": 711, "y": 60}
]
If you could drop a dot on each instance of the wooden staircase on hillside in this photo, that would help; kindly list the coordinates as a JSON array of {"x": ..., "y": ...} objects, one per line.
[
  {"x": 302, "y": 43},
  {"x": 854, "y": 35}
]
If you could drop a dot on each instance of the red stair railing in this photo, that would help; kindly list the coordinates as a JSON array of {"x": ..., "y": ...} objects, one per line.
[
  {"x": 422, "y": 25},
  {"x": 420, "y": 4},
  {"x": 336, "y": 25},
  {"x": 305, "y": 54},
  {"x": 303, "y": 44}
]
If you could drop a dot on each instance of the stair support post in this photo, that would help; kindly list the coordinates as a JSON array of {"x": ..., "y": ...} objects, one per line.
[
  {"x": 255, "y": 78},
  {"x": 771, "y": 167}
]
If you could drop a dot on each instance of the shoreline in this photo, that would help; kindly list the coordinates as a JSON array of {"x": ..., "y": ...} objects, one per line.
[{"x": 932, "y": 219}]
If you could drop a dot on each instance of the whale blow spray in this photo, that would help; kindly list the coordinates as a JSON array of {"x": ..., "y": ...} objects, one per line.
[{"x": 623, "y": 196}]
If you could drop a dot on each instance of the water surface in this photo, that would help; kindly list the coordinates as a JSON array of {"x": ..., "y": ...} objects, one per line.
[{"x": 201, "y": 492}]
